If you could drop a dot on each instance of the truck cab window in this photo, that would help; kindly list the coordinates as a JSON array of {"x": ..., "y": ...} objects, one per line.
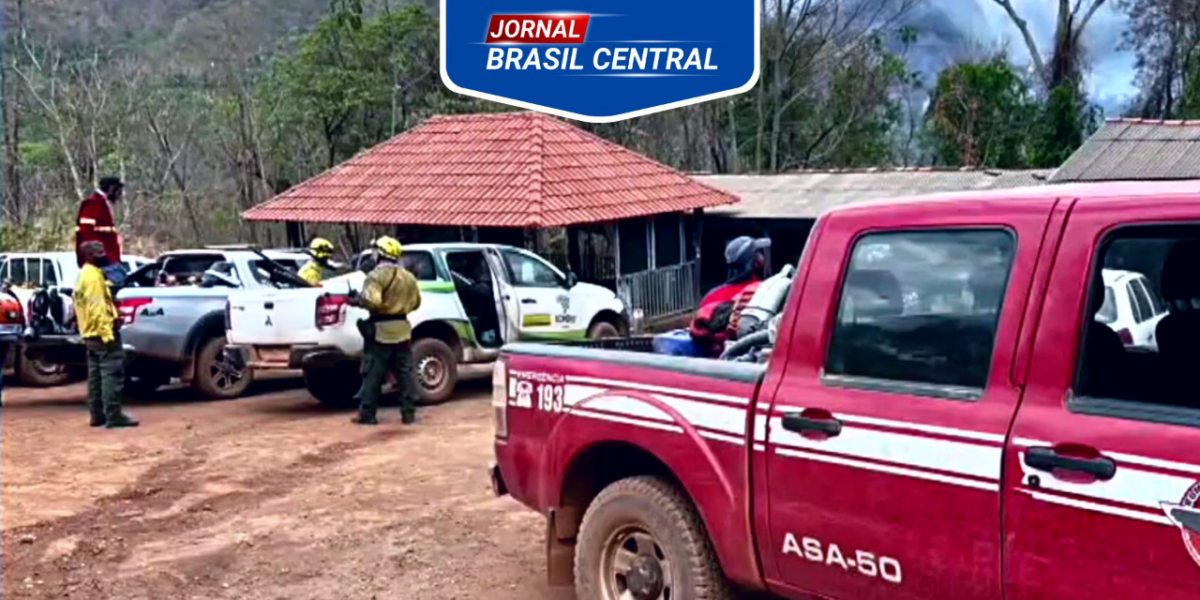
[
  {"x": 1146, "y": 355},
  {"x": 49, "y": 277},
  {"x": 527, "y": 271},
  {"x": 17, "y": 272},
  {"x": 420, "y": 264},
  {"x": 921, "y": 307}
]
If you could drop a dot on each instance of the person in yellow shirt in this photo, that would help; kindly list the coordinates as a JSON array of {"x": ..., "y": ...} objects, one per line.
[
  {"x": 389, "y": 294},
  {"x": 96, "y": 313},
  {"x": 319, "y": 268}
]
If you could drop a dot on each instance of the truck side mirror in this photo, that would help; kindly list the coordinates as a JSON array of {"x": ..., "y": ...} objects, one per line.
[{"x": 572, "y": 280}]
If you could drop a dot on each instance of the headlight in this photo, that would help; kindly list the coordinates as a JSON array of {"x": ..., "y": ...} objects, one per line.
[{"x": 500, "y": 398}]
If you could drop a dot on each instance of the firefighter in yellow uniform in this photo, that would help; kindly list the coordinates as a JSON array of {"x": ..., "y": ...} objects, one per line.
[
  {"x": 389, "y": 294},
  {"x": 98, "y": 326},
  {"x": 319, "y": 268}
]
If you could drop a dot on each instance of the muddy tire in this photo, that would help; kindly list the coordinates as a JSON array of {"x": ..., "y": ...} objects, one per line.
[
  {"x": 603, "y": 330},
  {"x": 334, "y": 387},
  {"x": 642, "y": 537},
  {"x": 435, "y": 367},
  {"x": 40, "y": 373},
  {"x": 215, "y": 376}
]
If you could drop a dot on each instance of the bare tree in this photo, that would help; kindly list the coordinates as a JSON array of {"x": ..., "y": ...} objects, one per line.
[
  {"x": 14, "y": 199},
  {"x": 805, "y": 37},
  {"x": 1065, "y": 61}
]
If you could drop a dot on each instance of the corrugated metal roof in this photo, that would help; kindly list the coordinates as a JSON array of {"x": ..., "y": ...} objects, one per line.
[
  {"x": 1136, "y": 150},
  {"x": 809, "y": 194},
  {"x": 499, "y": 170}
]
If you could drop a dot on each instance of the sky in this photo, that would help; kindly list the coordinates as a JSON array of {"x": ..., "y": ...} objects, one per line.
[{"x": 951, "y": 30}]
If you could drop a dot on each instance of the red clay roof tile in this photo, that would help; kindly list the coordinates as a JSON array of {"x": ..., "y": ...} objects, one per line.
[{"x": 500, "y": 170}]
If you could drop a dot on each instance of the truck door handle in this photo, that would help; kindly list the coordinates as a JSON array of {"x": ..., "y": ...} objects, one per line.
[
  {"x": 528, "y": 301},
  {"x": 1050, "y": 460},
  {"x": 815, "y": 423},
  {"x": 269, "y": 305}
]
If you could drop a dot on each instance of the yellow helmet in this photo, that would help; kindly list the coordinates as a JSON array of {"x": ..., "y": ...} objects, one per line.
[
  {"x": 321, "y": 248},
  {"x": 389, "y": 247}
]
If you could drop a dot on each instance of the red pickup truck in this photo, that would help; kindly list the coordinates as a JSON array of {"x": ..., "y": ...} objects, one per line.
[{"x": 947, "y": 414}]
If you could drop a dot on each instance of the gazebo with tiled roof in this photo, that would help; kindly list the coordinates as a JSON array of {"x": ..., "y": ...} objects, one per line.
[{"x": 520, "y": 171}]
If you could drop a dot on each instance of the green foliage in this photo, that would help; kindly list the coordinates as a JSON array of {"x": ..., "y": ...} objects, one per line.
[
  {"x": 1061, "y": 126},
  {"x": 355, "y": 81},
  {"x": 53, "y": 231},
  {"x": 979, "y": 115},
  {"x": 39, "y": 155}
]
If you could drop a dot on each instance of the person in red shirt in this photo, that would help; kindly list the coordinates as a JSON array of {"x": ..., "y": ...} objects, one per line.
[
  {"x": 720, "y": 308},
  {"x": 95, "y": 222}
]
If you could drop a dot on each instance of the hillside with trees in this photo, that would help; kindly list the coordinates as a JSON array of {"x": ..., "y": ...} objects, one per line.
[{"x": 207, "y": 107}]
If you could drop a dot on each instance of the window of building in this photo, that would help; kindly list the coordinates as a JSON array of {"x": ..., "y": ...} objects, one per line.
[
  {"x": 920, "y": 309},
  {"x": 1142, "y": 367}
]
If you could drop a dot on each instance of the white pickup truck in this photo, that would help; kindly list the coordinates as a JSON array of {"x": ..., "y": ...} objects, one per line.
[{"x": 474, "y": 298}]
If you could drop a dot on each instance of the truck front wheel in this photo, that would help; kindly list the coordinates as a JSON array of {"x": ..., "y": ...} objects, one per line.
[{"x": 642, "y": 538}]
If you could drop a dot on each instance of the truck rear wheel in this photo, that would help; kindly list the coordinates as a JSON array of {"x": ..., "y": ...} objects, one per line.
[
  {"x": 216, "y": 376},
  {"x": 435, "y": 367},
  {"x": 334, "y": 387},
  {"x": 642, "y": 538},
  {"x": 40, "y": 373}
]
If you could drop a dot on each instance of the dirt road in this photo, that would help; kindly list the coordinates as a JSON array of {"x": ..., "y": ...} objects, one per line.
[{"x": 263, "y": 497}]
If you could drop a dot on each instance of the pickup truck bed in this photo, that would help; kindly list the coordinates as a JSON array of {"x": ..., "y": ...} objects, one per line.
[{"x": 942, "y": 416}]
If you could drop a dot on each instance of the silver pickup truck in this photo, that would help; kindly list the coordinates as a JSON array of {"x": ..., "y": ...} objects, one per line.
[{"x": 173, "y": 315}]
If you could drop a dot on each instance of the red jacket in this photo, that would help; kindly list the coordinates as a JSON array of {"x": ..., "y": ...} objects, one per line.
[{"x": 95, "y": 224}]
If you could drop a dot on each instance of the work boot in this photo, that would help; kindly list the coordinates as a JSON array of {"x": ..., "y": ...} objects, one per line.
[
  {"x": 121, "y": 421},
  {"x": 98, "y": 421},
  {"x": 364, "y": 420},
  {"x": 408, "y": 418}
]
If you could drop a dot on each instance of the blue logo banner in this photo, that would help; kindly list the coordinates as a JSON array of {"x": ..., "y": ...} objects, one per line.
[{"x": 600, "y": 61}]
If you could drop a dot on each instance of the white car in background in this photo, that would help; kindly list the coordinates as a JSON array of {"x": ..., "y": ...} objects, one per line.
[
  {"x": 26, "y": 273},
  {"x": 1132, "y": 308}
]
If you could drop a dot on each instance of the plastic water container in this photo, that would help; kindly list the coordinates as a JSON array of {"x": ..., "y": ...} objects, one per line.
[{"x": 675, "y": 343}]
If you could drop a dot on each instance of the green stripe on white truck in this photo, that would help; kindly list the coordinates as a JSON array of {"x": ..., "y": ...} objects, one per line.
[{"x": 436, "y": 287}]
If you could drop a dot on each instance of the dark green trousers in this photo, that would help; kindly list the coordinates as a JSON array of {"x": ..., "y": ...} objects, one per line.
[
  {"x": 379, "y": 360},
  {"x": 106, "y": 377}
]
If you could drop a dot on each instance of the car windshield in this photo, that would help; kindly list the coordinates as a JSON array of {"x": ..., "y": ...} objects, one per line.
[{"x": 1108, "y": 311}]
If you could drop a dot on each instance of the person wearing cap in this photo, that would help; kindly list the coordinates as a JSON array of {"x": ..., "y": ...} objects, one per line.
[
  {"x": 389, "y": 294},
  {"x": 746, "y": 259},
  {"x": 319, "y": 268},
  {"x": 95, "y": 221},
  {"x": 98, "y": 326},
  {"x": 716, "y": 318}
]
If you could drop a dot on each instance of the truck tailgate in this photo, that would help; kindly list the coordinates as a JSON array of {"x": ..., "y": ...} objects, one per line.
[{"x": 274, "y": 317}]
